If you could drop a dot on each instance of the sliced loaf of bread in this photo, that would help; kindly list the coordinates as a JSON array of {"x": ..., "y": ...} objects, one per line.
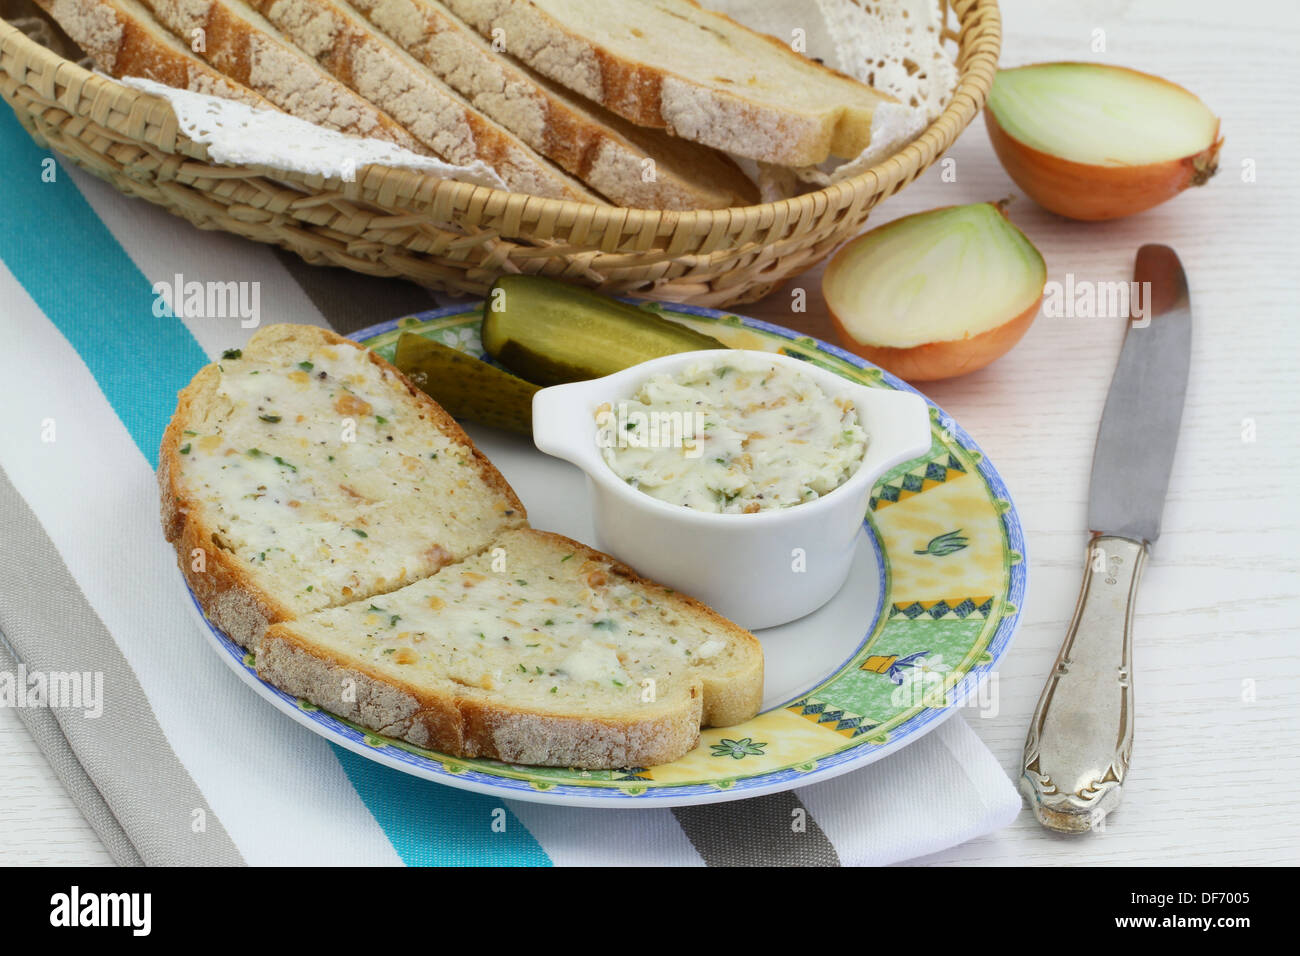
[
  {"x": 304, "y": 471},
  {"x": 123, "y": 39},
  {"x": 539, "y": 650},
  {"x": 630, "y": 165},
  {"x": 356, "y": 53},
  {"x": 247, "y": 49},
  {"x": 670, "y": 64}
]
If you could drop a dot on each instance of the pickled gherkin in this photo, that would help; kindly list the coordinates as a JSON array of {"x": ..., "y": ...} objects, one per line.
[
  {"x": 550, "y": 332},
  {"x": 466, "y": 386}
]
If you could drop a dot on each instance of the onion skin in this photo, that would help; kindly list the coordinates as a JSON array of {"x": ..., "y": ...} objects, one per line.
[
  {"x": 936, "y": 360},
  {"x": 1094, "y": 193}
]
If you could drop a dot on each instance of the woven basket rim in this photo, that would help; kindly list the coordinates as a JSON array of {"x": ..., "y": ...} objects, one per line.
[{"x": 977, "y": 67}]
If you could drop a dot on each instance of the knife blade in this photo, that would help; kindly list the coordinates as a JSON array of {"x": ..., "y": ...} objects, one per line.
[
  {"x": 1139, "y": 425},
  {"x": 1081, "y": 736}
]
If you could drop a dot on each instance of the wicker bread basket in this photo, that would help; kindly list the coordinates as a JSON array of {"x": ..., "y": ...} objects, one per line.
[{"x": 454, "y": 236}]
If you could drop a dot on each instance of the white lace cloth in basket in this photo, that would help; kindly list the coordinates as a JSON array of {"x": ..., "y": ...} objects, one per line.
[{"x": 239, "y": 135}]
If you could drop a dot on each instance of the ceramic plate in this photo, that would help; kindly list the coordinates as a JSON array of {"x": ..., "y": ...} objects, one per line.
[{"x": 930, "y": 606}]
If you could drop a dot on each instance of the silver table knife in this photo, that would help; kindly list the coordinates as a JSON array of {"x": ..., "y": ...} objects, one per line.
[{"x": 1079, "y": 742}]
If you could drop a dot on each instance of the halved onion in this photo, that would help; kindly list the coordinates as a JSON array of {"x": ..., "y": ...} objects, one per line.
[
  {"x": 937, "y": 294},
  {"x": 1091, "y": 142}
]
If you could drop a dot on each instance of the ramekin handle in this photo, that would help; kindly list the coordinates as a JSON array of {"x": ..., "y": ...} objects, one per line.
[
  {"x": 563, "y": 422},
  {"x": 898, "y": 428}
]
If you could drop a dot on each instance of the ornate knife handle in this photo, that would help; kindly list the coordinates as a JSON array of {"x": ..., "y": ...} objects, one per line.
[{"x": 1077, "y": 751}]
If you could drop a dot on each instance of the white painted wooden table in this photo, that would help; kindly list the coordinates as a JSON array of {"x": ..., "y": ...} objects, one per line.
[{"x": 1217, "y": 666}]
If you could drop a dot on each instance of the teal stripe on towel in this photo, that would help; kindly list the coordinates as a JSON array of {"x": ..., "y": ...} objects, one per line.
[
  {"x": 430, "y": 825},
  {"x": 85, "y": 283}
]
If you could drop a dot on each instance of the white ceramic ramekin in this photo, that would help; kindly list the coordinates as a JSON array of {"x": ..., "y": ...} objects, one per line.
[{"x": 759, "y": 569}]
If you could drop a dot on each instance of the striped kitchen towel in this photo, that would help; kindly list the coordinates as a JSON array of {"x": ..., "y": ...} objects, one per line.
[{"x": 185, "y": 764}]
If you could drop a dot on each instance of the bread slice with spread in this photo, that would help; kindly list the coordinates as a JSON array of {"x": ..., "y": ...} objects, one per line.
[
  {"x": 304, "y": 472},
  {"x": 539, "y": 651}
]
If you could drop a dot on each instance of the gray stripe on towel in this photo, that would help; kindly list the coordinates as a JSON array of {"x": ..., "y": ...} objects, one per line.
[
  {"x": 40, "y": 723},
  {"x": 773, "y": 830},
  {"x": 120, "y": 759}
]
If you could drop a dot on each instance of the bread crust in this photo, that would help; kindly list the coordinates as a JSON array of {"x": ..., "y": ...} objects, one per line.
[
  {"x": 123, "y": 40},
  {"x": 220, "y": 582},
  {"x": 252, "y": 54},
  {"x": 464, "y": 726},
  {"x": 651, "y": 96},
  {"x": 356, "y": 53},
  {"x": 597, "y": 146},
  {"x": 467, "y": 725}
]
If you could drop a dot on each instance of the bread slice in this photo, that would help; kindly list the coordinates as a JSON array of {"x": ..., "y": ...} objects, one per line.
[
  {"x": 247, "y": 49},
  {"x": 356, "y": 53},
  {"x": 539, "y": 651},
  {"x": 672, "y": 65},
  {"x": 123, "y": 39},
  {"x": 630, "y": 165},
  {"x": 305, "y": 472},
  {"x": 332, "y": 518}
]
